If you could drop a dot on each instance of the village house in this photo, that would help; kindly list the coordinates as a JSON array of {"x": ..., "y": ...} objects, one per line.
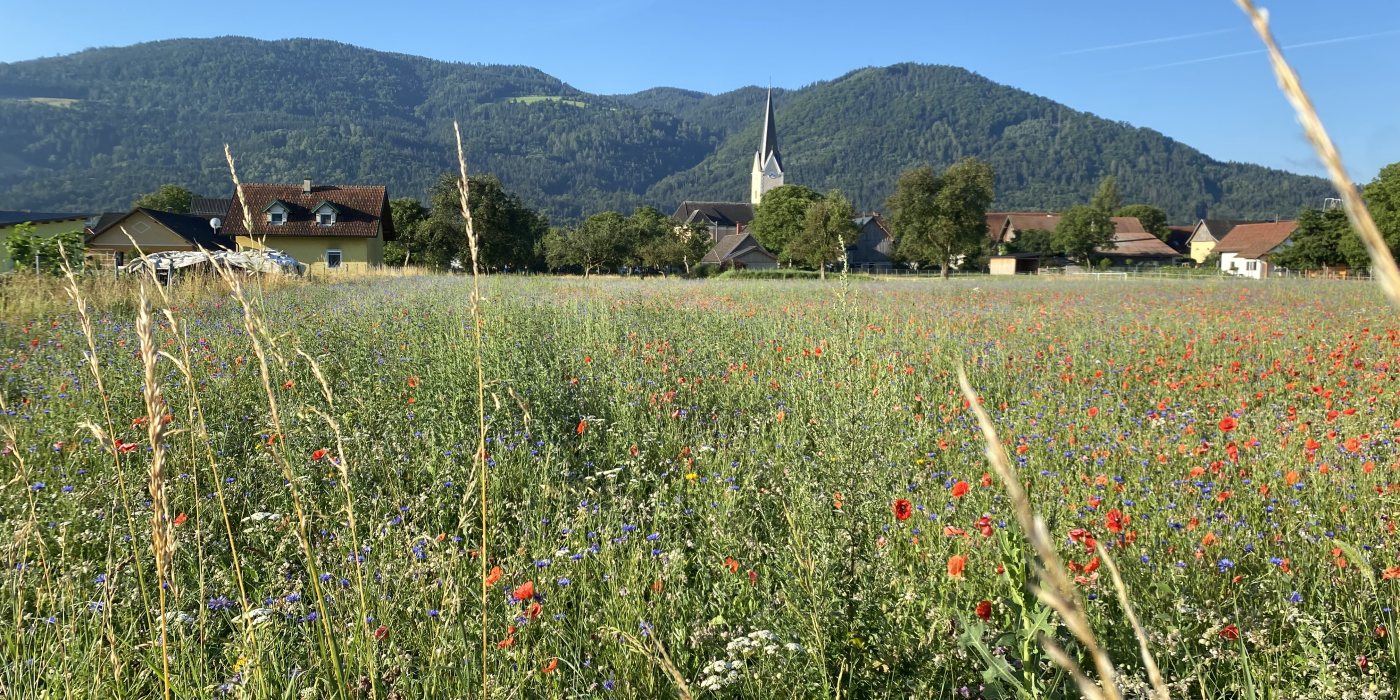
[
  {"x": 1245, "y": 251},
  {"x": 44, "y": 223},
  {"x": 143, "y": 231},
  {"x": 873, "y": 247},
  {"x": 1132, "y": 244},
  {"x": 326, "y": 227},
  {"x": 1208, "y": 233}
]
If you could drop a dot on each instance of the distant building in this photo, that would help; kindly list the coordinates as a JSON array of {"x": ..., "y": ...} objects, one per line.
[
  {"x": 326, "y": 227},
  {"x": 1179, "y": 238},
  {"x": 1245, "y": 251},
  {"x": 1209, "y": 232},
  {"x": 872, "y": 247},
  {"x": 143, "y": 231},
  {"x": 1132, "y": 244},
  {"x": 767, "y": 162},
  {"x": 44, "y": 223},
  {"x": 739, "y": 251},
  {"x": 719, "y": 218}
]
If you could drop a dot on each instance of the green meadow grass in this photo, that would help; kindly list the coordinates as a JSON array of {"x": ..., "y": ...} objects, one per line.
[{"x": 709, "y": 468}]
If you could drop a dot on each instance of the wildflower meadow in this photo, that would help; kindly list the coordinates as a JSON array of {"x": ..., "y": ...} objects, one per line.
[{"x": 729, "y": 489}]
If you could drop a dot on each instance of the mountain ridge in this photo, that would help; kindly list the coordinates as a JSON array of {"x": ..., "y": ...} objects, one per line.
[{"x": 94, "y": 129}]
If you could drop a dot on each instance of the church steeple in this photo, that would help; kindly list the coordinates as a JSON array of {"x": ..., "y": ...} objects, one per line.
[
  {"x": 769, "y": 146},
  {"x": 767, "y": 162}
]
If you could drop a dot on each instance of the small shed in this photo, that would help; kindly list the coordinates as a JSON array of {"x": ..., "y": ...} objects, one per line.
[{"x": 1016, "y": 264}]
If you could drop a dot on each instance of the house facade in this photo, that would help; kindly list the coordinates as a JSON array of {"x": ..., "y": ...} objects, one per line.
[
  {"x": 328, "y": 228},
  {"x": 1208, "y": 233},
  {"x": 1245, "y": 251},
  {"x": 1132, "y": 244},
  {"x": 873, "y": 247},
  {"x": 44, "y": 223},
  {"x": 145, "y": 231}
]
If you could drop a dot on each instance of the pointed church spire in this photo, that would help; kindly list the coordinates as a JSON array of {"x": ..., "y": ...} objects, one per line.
[{"x": 769, "y": 146}]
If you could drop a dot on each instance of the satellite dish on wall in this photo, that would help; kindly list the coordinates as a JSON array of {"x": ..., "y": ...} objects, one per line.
[{"x": 215, "y": 223}]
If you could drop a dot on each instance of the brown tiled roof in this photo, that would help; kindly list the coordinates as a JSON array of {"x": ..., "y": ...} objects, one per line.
[
  {"x": 732, "y": 246},
  {"x": 1254, "y": 241},
  {"x": 1028, "y": 220},
  {"x": 722, "y": 214},
  {"x": 362, "y": 211},
  {"x": 1139, "y": 244},
  {"x": 995, "y": 221},
  {"x": 1047, "y": 221}
]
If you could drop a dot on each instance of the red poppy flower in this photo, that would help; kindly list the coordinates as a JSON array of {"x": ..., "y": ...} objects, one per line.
[
  {"x": 180, "y": 519},
  {"x": 1227, "y": 424},
  {"x": 984, "y": 610},
  {"x": 413, "y": 382},
  {"x": 1230, "y": 632},
  {"x": 960, "y": 489},
  {"x": 732, "y": 564},
  {"x": 534, "y": 610},
  {"x": 984, "y": 524},
  {"x": 381, "y": 633},
  {"x": 319, "y": 455},
  {"x": 524, "y": 591},
  {"x": 902, "y": 509},
  {"x": 1093, "y": 411},
  {"x": 549, "y": 667},
  {"x": 582, "y": 426},
  {"x": 494, "y": 576},
  {"x": 956, "y": 564}
]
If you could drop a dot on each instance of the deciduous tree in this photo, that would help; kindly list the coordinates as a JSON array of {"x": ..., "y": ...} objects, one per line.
[
  {"x": 781, "y": 217},
  {"x": 938, "y": 218},
  {"x": 172, "y": 198},
  {"x": 1107, "y": 199},
  {"x": 1082, "y": 230},
  {"x": 828, "y": 227},
  {"x": 1316, "y": 243},
  {"x": 1154, "y": 220}
]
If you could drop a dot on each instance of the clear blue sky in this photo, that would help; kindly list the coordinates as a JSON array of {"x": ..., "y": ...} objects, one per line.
[{"x": 1190, "y": 69}]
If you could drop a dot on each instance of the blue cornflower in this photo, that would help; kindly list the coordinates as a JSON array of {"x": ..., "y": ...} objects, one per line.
[
  {"x": 653, "y": 537},
  {"x": 38, "y": 486},
  {"x": 1225, "y": 565},
  {"x": 563, "y": 582},
  {"x": 1295, "y": 597}
]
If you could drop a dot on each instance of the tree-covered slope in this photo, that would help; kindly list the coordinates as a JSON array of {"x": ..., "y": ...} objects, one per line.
[
  {"x": 857, "y": 133},
  {"x": 92, "y": 130}
]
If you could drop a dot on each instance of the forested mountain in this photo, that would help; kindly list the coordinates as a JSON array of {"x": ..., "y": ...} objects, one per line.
[{"x": 92, "y": 130}]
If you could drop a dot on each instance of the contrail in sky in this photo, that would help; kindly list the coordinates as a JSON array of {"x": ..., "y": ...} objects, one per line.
[
  {"x": 1146, "y": 42},
  {"x": 1303, "y": 45}
]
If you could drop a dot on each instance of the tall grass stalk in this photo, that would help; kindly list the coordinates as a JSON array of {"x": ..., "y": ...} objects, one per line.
[
  {"x": 162, "y": 531},
  {"x": 1383, "y": 265},
  {"x": 252, "y": 324},
  {"x": 1060, "y": 593},
  {"x": 464, "y": 194}
]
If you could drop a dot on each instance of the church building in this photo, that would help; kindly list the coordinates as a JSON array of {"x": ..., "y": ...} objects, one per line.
[{"x": 728, "y": 222}]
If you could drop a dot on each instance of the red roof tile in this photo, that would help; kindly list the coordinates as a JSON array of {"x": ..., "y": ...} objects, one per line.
[
  {"x": 1254, "y": 241},
  {"x": 362, "y": 211}
]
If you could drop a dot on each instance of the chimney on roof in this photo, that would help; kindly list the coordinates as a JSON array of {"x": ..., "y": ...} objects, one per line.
[{"x": 306, "y": 186}]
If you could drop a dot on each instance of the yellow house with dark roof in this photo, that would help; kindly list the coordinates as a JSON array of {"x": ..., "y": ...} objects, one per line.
[{"x": 326, "y": 227}]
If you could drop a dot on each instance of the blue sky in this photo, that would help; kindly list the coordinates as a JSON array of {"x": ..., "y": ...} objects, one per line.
[{"x": 1191, "y": 69}]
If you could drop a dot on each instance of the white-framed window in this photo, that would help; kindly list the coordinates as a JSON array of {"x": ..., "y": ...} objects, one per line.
[
  {"x": 325, "y": 215},
  {"x": 332, "y": 258},
  {"x": 276, "y": 218},
  {"x": 1252, "y": 265}
]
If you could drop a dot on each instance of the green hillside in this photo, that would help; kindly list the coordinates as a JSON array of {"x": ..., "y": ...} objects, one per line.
[{"x": 91, "y": 130}]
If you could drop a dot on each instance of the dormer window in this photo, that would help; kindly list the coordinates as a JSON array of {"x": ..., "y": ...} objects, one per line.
[
  {"x": 276, "y": 213},
  {"x": 325, "y": 214}
]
